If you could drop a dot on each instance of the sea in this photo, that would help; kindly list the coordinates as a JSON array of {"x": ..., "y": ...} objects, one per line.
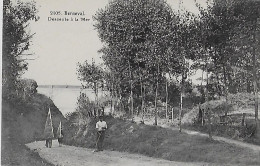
[{"x": 65, "y": 97}]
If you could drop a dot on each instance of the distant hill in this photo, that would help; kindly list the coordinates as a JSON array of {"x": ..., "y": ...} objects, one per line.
[{"x": 59, "y": 86}]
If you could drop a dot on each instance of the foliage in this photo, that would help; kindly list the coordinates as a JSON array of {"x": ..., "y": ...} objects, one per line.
[
  {"x": 85, "y": 107},
  {"x": 16, "y": 40},
  {"x": 242, "y": 100},
  {"x": 229, "y": 44},
  {"x": 143, "y": 42},
  {"x": 90, "y": 74},
  {"x": 146, "y": 45},
  {"x": 28, "y": 87}
]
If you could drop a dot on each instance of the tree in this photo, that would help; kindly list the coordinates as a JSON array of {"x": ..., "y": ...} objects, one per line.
[
  {"x": 16, "y": 40},
  {"x": 136, "y": 35},
  {"x": 242, "y": 41},
  {"x": 217, "y": 26},
  {"x": 92, "y": 76},
  {"x": 85, "y": 107},
  {"x": 231, "y": 37},
  {"x": 249, "y": 13},
  {"x": 27, "y": 87}
]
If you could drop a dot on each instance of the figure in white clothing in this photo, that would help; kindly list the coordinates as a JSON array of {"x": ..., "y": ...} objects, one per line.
[{"x": 101, "y": 127}]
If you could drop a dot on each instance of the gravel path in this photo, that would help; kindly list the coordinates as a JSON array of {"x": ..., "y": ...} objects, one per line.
[
  {"x": 77, "y": 156},
  {"x": 229, "y": 141},
  {"x": 163, "y": 124}
]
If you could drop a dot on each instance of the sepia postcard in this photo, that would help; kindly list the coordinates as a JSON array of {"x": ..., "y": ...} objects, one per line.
[{"x": 130, "y": 82}]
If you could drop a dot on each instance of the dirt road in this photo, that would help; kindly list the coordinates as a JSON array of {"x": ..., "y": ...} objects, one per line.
[
  {"x": 164, "y": 124},
  {"x": 229, "y": 141},
  {"x": 77, "y": 156}
]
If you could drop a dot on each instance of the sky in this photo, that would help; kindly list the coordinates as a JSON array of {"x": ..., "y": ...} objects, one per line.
[{"x": 58, "y": 46}]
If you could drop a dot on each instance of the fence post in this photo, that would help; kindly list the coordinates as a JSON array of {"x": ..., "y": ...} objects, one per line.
[
  {"x": 172, "y": 114},
  {"x": 243, "y": 119}
]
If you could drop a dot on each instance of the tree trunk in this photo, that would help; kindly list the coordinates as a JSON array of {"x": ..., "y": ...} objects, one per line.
[
  {"x": 111, "y": 94},
  {"x": 202, "y": 90},
  {"x": 117, "y": 95},
  {"x": 183, "y": 77},
  {"x": 172, "y": 114},
  {"x": 180, "y": 111},
  {"x": 218, "y": 85},
  {"x": 132, "y": 102},
  {"x": 142, "y": 102},
  {"x": 255, "y": 79},
  {"x": 226, "y": 91},
  {"x": 97, "y": 99},
  {"x": 142, "y": 98},
  {"x": 156, "y": 93},
  {"x": 207, "y": 102},
  {"x": 95, "y": 91},
  {"x": 131, "y": 93},
  {"x": 200, "y": 116},
  {"x": 166, "y": 102}
]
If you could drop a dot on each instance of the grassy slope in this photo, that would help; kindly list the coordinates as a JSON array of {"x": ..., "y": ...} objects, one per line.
[
  {"x": 159, "y": 142},
  {"x": 238, "y": 103},
  {"x": 24, "y": 123}
]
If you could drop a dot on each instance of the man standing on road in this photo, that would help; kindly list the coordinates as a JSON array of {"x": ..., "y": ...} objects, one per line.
[{"x": 101, "y": 127}]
